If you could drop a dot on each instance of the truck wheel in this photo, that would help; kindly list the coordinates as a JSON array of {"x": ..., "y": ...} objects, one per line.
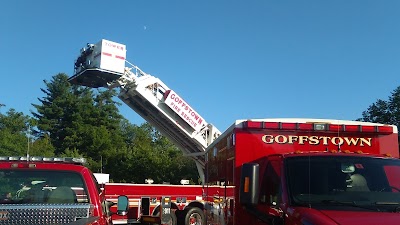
[
  {"x": 194, "y": 216},
  {"x": 172, "y": 221}
]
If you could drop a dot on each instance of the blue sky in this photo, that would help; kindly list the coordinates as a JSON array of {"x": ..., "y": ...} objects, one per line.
[{"x": 228, "y": 59}]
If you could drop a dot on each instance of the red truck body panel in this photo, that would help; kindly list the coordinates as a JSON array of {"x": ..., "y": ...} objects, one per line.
[
  {"x": 182, "y": 197},
  {"x": 135, "y": 192}
]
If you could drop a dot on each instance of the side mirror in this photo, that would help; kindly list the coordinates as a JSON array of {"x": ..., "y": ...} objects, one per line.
[
  {"x": 249, "y": 189},
  {"x": 107, "y": 206},
  {"x": 122, "y": 205}
]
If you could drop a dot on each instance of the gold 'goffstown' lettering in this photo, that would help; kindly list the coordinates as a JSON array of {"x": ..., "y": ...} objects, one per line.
[{"x": 316, "y": 140}]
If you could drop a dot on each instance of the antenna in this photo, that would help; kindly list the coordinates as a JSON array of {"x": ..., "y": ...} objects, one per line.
[
  {"x": 309, "y": 182},
  {"x": 29, "y": 133},
  {"x": 338, "y": 134}
]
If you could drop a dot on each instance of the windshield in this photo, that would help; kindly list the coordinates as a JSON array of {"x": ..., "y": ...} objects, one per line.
[
  {"x": 343, "y": 181},
  {"x": 40, "y": 186}
]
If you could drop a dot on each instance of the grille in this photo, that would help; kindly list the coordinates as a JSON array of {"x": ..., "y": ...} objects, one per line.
[{"x": 43, "y": 213}]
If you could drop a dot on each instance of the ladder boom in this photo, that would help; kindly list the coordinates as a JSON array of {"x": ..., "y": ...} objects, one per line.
[{"x": 104, "y": 65}]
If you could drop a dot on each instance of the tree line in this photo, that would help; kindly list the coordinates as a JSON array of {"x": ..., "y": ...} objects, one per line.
[{"x": 75, "y": 121}]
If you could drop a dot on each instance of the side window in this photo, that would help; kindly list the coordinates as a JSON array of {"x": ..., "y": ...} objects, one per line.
[
  {"x": 393, "y": 179},
  {"x": 270, "y": 187}
]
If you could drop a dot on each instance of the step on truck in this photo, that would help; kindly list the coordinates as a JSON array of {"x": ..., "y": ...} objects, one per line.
[
  {"x": 48, "y": 190},
  {"x": 269, "y": 171}
]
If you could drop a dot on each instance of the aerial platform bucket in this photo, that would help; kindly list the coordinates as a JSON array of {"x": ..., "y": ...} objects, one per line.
[{"x": 94, "y": 77}]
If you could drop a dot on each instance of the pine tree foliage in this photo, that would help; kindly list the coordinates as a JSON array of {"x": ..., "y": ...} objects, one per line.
[
  {"x": 150, "y": 155},
  {"x": 13, "y": 133},
  {"x": 384, "y": 111},
  {"x": 76, "y": 121},
  {"x": 55, "y": 112},
  {"x": 41, "y": 147}
]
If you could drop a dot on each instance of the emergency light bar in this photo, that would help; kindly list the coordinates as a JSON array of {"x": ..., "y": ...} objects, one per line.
[
  {"x": 384, "y": 129},
  {"x": 44, "y": 159}
]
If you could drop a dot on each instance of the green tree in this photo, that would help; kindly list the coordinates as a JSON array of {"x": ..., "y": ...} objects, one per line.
[
  {"x": 42, "y": 147},
  {"x": 150, "y": 155},
  {"x": 79, "y": 121},
  {"x": 54, "y": 113},
  {"x": 384, "y": 111},
  {"x": 83, "y": 122},
  {"x": 13, "y": 133}
]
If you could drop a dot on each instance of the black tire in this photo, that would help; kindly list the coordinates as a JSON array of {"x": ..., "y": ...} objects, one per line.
[
  {"x": 173, "y": 220},
  {"x": 195, "y": 216}
]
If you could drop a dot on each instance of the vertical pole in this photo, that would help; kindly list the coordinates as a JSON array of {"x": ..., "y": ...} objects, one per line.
[
  {"x": 29, "y": 133},
  {"x": 101, "y": 164}
]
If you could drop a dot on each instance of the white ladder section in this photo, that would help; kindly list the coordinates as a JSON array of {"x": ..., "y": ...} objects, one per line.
[
  {"x": 104, "y": 65},
  {"x": 145, "y": 94}
]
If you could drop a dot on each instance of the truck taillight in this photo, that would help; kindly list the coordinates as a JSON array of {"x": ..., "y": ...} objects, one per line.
[{"x": 383, "y": 129}]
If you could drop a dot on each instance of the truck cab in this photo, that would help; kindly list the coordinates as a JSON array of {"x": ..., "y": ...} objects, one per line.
[
  {"x": 331, "y": 188},
  {"x": 305, "y": 171},
  {"x": 40, "y": 190}
]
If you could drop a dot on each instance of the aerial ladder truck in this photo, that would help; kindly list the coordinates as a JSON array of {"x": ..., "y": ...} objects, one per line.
[
  {"x": 104, "y": 65},
  {"x": 260, "y": 171}
]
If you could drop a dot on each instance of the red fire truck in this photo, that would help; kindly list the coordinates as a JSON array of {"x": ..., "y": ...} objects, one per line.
[
  {"x": 305, "y": 171},
  {"x": 273, "y": 171},
  {"x": 186, "y": 202},
  {"x": 44, "y": 190}
]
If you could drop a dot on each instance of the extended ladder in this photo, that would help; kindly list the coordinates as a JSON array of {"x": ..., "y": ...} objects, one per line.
[{"x": 100, "y": 65}]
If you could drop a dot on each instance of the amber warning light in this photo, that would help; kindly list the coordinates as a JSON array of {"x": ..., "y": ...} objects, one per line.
[{"x": 246, "y": 184}]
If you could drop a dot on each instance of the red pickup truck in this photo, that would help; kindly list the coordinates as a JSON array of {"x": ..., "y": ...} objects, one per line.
[{"x": 40, "y": 190}]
